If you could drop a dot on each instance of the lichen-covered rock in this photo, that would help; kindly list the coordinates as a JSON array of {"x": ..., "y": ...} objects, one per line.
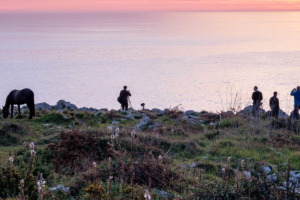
[
  {"x": 62, "y": 104},
  {"x": 145, "y": 121}
]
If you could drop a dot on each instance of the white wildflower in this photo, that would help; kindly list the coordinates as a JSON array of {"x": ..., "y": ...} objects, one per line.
[
  {"x": 243, "y": 163},
  {"x": 229, "y": 159},
  {"x": 223, "y": 170},
  {"x": 132, "y": 133},
  {"x": 94, "y": 164},
  {"x": 147, "y": 195},
  {"x": 11, "y": 160},
  {"x": 160, "y": 157},
  {"x": 32, "y": 146},
  {"x": 33, "y": 153}
]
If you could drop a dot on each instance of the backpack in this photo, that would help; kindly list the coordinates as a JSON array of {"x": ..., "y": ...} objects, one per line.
[{"x": 119, "y": 99}]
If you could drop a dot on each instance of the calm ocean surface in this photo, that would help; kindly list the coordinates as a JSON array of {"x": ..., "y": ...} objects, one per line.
[{"x": 197, "y": 59}]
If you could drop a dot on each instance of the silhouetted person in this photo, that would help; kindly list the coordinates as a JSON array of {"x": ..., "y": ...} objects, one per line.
[
  {"x": 274, "y": 104},
  {"x": 296, "y": 93},
  {"x": 124, "y": 98},
  {"x": 257, "y": 97}
]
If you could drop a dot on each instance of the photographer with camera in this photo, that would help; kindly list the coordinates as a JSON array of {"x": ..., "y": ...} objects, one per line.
[
  {"x": 123, "y": 98},
  {"x": 296, "y": 93}
]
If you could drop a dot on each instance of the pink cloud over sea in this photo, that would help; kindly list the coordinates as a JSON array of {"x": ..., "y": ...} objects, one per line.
[{"x": 148, "y": 5}]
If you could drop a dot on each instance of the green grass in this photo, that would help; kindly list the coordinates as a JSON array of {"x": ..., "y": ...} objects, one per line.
[{"x": 258, "y": 142}]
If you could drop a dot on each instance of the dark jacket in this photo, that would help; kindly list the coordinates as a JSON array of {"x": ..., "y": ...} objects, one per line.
[
  {"x": 257, "y": 97},
  {"x": 274, "y": 103},
  {"x": 124, "y": 96}
]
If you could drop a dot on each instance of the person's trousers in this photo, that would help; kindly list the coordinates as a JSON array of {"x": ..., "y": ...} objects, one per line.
[
  {"x": 296, "y": 112},
  {"x": 256, "y": 107},
  {"x": 275, "y": 112},
  {"x": 124, "y": 106}
]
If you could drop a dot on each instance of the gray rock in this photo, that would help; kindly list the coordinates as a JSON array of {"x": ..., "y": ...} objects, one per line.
[
  {"x": 191, "y": 120},
  {"x": 211, "y": 123},
  {"x": 59, "y": 111},
  {"x": 97, "y": 113},
  {"x": 41, "y": 106},
  {"x": 62, "y": 104},
  {"x": 248, "y": 110},
  {"x": 190, "y": 112},
  {"x": 272, "y": 178},
  {"x": 283, "y": 114},
  {"x": 156, "y": 110},
  {"x": 145, "y": 121},
  {"x": 104, "y": 109},
  {"x": 230, "y": 113},
  {"x": 85, "y": 109},
  {"x": 247, "y": 174},
  {"x": 193, "y": 165},
  {"x": 60, "y": 188},
  {"x": 163, "y": 193},
  {"x": 66, "y": 117},
  {"x": 130, "y": 116},
  {"x": 165, "y": 111},
  {"x": 123, "y": 112},
  {"x": 113, "y": 110},
  {"x": 115, "y": 122},
  {"x": 47, "y": 125},
  {"x": 266, "y": 169},
  {"x": 191, "y": 117},
  {"x": 70, "y": 127}
]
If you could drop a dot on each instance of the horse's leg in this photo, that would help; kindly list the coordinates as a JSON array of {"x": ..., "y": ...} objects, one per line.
[
  {"x": 30, "y": 110},
  {"x": 19, "y": 111},
  {"x": 12, "y": 111}
]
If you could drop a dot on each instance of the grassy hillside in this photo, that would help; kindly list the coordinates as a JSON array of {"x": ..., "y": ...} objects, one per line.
[{"x": 103, "y": 155}]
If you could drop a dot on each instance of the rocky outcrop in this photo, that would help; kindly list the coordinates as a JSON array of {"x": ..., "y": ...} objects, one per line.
[
  {"x": 144, "y": 122},
  {"x": 62, "y": 104},
  {"x": 42, "y": 106}
]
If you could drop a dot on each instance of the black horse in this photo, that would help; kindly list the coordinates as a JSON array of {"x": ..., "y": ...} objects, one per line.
[{"x": 19, "y": 97}]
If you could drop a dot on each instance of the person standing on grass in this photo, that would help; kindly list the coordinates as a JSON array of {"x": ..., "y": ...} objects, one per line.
[
  {"x": 257, "y": 97},
  {"x": 296, "y": 93},
  {"x": 274, "y": 104},
  {"x": 124, "y": 98}
]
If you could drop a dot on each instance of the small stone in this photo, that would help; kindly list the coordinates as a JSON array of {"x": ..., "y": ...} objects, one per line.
[{"x": 193, "y": 165}]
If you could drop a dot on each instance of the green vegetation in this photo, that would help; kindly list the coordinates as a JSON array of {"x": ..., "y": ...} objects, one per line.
[{"x": 170, "y": 158}]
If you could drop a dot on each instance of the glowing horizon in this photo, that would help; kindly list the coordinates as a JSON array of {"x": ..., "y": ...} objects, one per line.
[{"x": 148, "y": 5}]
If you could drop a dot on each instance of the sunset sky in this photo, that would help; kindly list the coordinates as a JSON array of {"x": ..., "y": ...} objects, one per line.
[{"x": 148, "y": 5}]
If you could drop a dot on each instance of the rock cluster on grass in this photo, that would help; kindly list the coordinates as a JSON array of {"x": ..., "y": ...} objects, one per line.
[{"x": 190, "y": 116}]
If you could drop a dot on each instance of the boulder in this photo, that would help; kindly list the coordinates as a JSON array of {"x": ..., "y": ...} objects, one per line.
[
  {"x": 85, "y": 109},
  {"x": 62, "y": 104},
  {"x": 60, "y": 188},
  {"x": 100, "y": 112},
  {"x": 190, "y": 112},
  {"x": 191, "y": 120},
  {"x": 41, "y": 106},
  {"x": 248, "y": 110},
  {"x": 145, "y": 121},
  {"x": 156, "y": 110},
  {"x": 266, "y": 169},
  {"x": 247, "y": 174},
  {"x": 130, "y": 116},
  {"x": 104, "y": 109}
]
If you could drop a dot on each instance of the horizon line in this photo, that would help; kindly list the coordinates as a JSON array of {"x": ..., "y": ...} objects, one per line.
[{"x": 135, "y": 11}]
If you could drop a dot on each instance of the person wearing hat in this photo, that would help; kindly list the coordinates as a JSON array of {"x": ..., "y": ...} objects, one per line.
[
  {"x": 257, "y": 97},
  {"x": 124, "y": 98}
]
